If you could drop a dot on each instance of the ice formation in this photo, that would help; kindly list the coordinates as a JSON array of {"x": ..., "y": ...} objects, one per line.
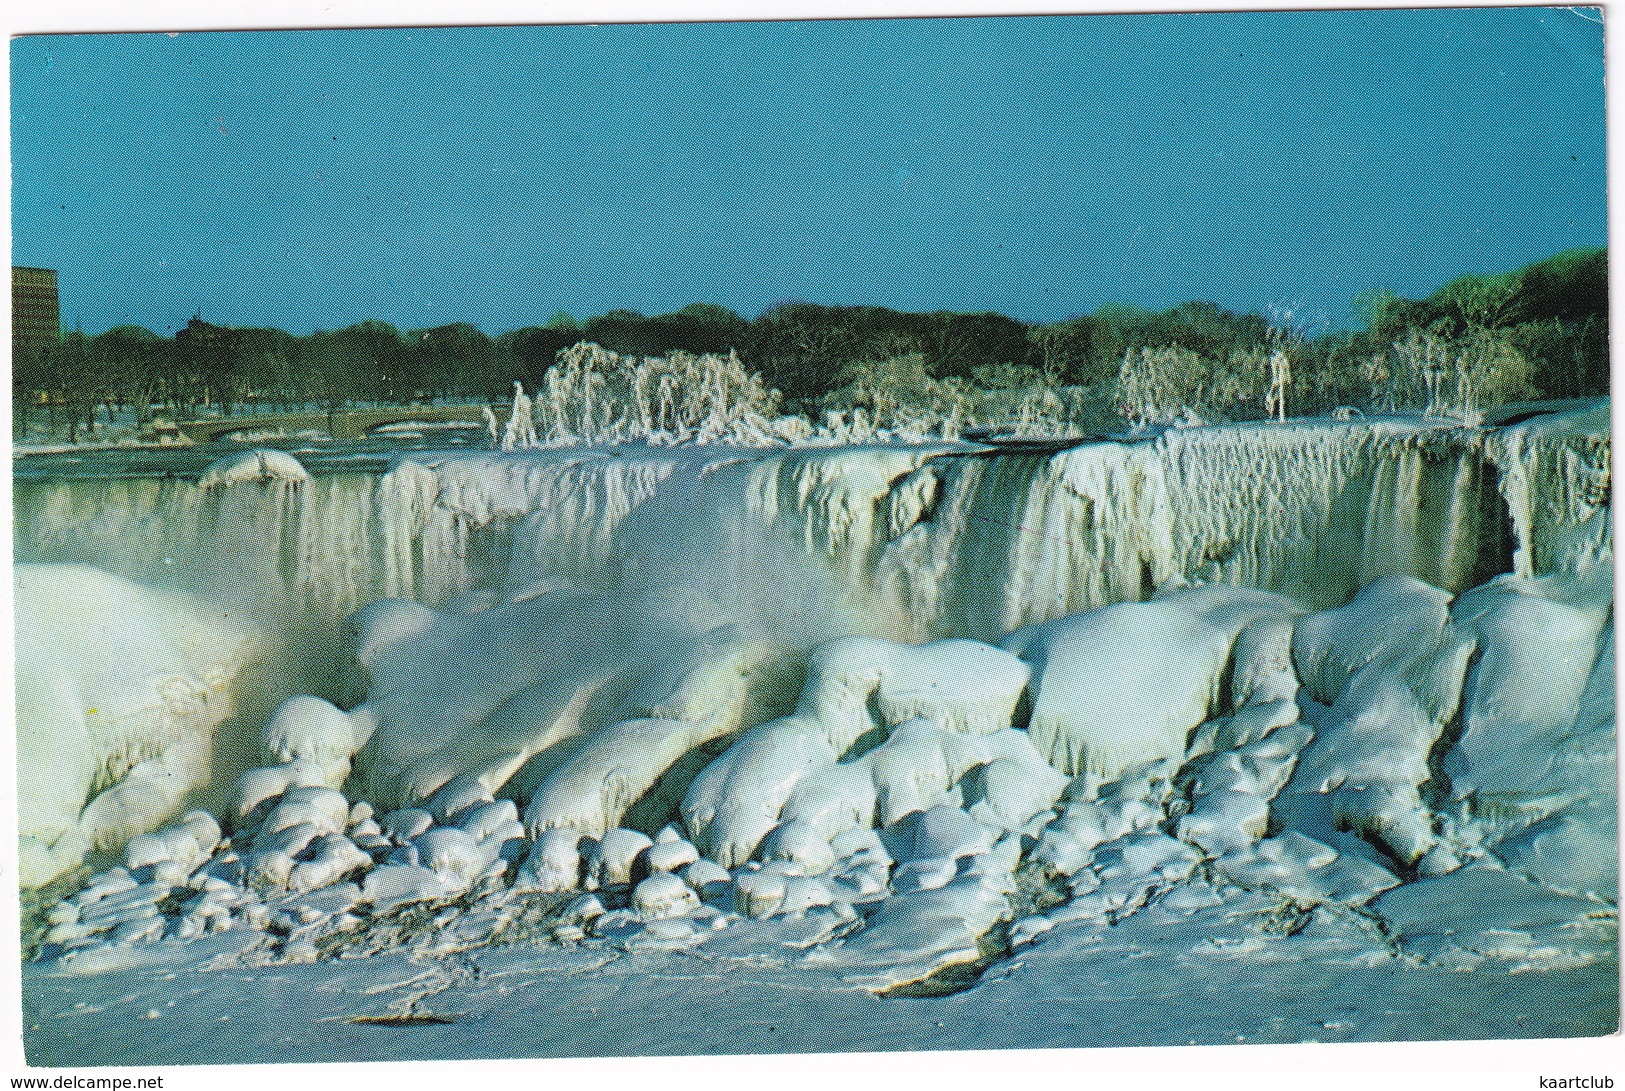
[
  {"x": 1127, "y": 683},
  {"x": 884, "y": 711},
  {"x": 122, "y": 692},
  {"x": 924, "y": 542},
  {"x": 256, "y": 466}
]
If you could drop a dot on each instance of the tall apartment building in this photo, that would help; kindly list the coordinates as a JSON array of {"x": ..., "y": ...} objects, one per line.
[{"x": 36, "y": 316}]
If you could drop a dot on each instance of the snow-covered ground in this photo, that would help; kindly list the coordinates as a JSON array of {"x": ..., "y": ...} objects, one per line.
[
  {"x": 1236, "y": 735},
  {"x": 1218, "y": 977}
]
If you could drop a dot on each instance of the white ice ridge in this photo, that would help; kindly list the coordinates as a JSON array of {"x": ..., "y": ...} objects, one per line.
[
  {"x": 925, "y": 541},
  {"x": 121, "y": 692}
]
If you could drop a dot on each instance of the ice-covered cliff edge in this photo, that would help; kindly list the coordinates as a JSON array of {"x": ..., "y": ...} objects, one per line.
[{"x": 918, "y": 542}]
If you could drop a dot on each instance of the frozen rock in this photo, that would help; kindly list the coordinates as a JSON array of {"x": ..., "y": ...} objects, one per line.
[
  {"x": 505, "y": 843},
  {"x": 367, "y": 830},
  {"x": 803, "y": 893},
  {"x": 456, "y": 796},
  {"x": 269, "y": 870},
  {"x": 797, "y": 843},
  {"x": 333, "y": 857},
  {"x": 482, "y": 820},
  {"x": 264, "y": 784},
  {"x": 1060, "y": 852},
  {"x": 312, "y": 729},
  {"x": 926, "y": 874},
  {"x": 513, "y": 690},
  {"x": 375, "y": 628},
  {"x": 259, "y": 465},
  {"x": 859, "y": 843},
  {"x": 961, "y": 685},
  {"x": 710, "y": 879},
  {"x": 1154, "y": 856},
  {"x": 759, "y": 894},
  {"x": 1372, "y": 749},
  {"x": 663, "y": 895},
  {"x": 916, "y": 769},
  {"x": 391, "y": 885},
  {"x": 405, "y": 824},
  {"x": 1306, "y": 870},
  {"x": 1484, "y": 910},
  {"x": 452, "y": 854},
  {"x": 1390, "y": 616},
  {"x": 144, "y": 850},
  {"x": 1091, "y": 823},
  {"x": 1122, "y": 684},
  {"x": 949, "y": 833},
  {"x": 861, "y": 879},
  {"x": 554, "y": 862},
  {"x": 615, "y": 858},
  {"x": 138, "y": 931},
  {"x": 1025, "y": 932},
  {"x": 289, "y": 839},
  {"x": 1225, "y": 821},
  {"x": 324, "y": 808},
  {"x": 673, "y": 855},
  {"x": 1015, "y": 788},
  {"x": 910, "y": 936},
  {"x": 1263, "y": 671},
  {"x": 126, "y": 905},
  {"x": 1246, "y": 725},
  {"x": 735, "y": 802},
  {"x": 1538, "y": 641},
  {"x": 584, "y": 909},
  {"x": 593, "y": 789},
  {"x": 835, "y": 799},
  {"x": 204, "y": 830}
]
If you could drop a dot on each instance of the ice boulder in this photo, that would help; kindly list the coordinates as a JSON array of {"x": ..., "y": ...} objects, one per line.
[
  {"x": 317, "y": 731},
  {"x": 662, "y": 896},
  {"x": 1122, "y": 684},
  {"x": 735, "y": 802},
  {"x": 963, "y": 685},
  {"x": 554, "y": 863},
  {"x": 1539, "y": 639},
  {"x": 1391, "y": 617},
  {"x": 595, "y": 787},
  {"x": 259, "y": 465},
  {"x": 1389, "y": 667}
]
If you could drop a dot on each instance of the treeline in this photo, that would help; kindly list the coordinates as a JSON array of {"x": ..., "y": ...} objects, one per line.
[{"x": 1538, "y": 332}]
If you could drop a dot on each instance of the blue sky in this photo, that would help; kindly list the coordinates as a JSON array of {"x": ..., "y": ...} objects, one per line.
[{"x": 1035, "y": 166}]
